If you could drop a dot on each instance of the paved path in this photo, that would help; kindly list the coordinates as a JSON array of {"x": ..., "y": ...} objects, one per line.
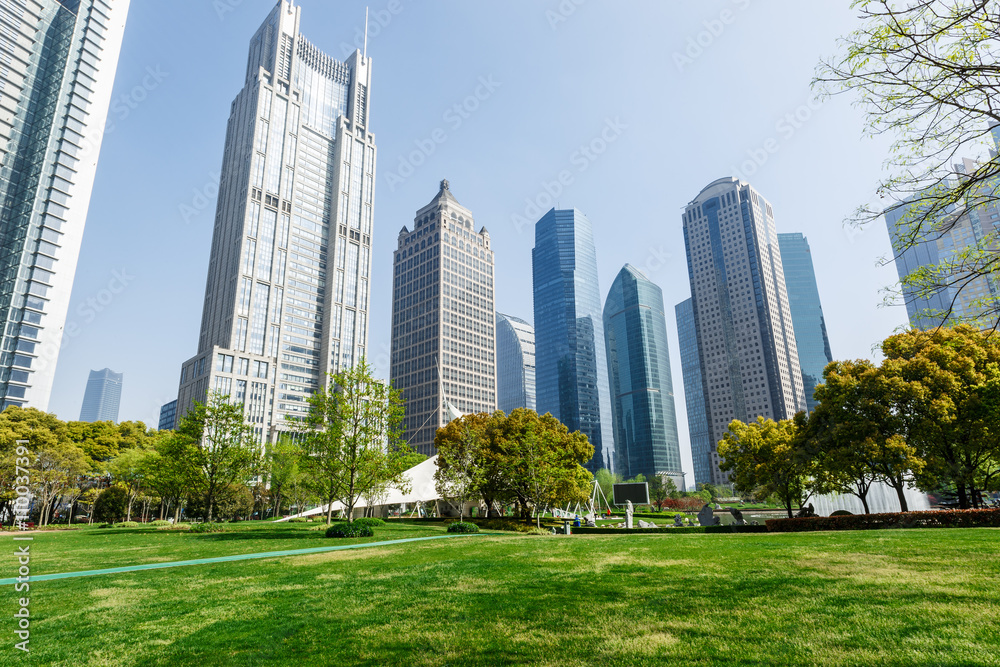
[{"x": 222, "y": 559}]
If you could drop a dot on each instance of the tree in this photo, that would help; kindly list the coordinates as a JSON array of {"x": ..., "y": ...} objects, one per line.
[
  {"x": 659, "y": 492},
  {"x": 130, "y": 469},
  {"x": 460, "y": 471},
  {"x": 110, "y": 505},
  {"x": 607, "y": 480},
  {"x": 170, "y": 469},
  {"x": 353, "y": 438},
  {"x": 926, "y": 74},
  {"x": 763, "y": 457},
  {"x": 220, "y": 446},
  {"x": 284, "y": 473}
]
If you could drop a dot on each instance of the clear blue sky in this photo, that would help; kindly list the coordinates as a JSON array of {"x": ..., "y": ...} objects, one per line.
[{"x": 560, "y": 75}]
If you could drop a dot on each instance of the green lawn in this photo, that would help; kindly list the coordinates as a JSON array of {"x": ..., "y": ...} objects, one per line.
[{"x": 904, "y": 597}]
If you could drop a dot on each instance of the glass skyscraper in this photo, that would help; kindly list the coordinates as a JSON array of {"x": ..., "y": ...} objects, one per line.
[
  {"x": 515, "y": 363},
  {"x": 168, "y": 416},
  {"x": 57, "y": 67},
  {"x": 102, "y": 397},
  {"x": 694, "y": 393},
  {"x": 571, "y": 372},
  {"x": 443, "y": 350},
  {"x": 642, "y": 389},
  {"x": 746, "y": 341},
  {"x": 807, "y": 312},
  {"x": 286, "y": 300}
]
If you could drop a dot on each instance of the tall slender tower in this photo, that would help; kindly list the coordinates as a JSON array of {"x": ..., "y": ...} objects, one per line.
[
  {"x": 286, "y": 300},
  {"x": 103, "y": 397},
  {"x": 443, "y": 349},
  {"x": 694, "y": 394},
  {"x": 571, "y": 370},
  {"x": 642, "y": 388},
  {"x": 515, "y": 363},
  {"x": 746, "y": 342},
  {"x": 57, "y": 66},
  {"x": 807, "y": 312}
]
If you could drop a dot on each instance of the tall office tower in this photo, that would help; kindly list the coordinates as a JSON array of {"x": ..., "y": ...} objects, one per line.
[
  {"x": 694, "y": 394},
  {"x": 102, "y": 397},
  {"x": 515, "y": 363},
  {"x": 642, "y": 389},
  {"x": 168, "y": 416},
  {"x": 443, "y": 352},
  {"x": 807, "y": 312},
  {"x": 571, "y": 370},
  {"x": 57, "y": 66},
  {"x": 286, "y": 301},
  {"x": 746, "y": 342}
]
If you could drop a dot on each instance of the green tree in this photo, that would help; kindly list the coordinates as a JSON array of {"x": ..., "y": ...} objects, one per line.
[
  {"x": 764, "y": 458},
  {"x": 220, "y": 446},
  {"x": 352, "y": 438},
  {"x": 460, "y": 464},
  {"x": 130, "y": 469},
  {"x": 170, "y": 469},
  {"x": 284, "y": 471},
  {"x": 607, "y": 480},
  {"x": 925, "y": 73},
  {"x": 110, "y": 505}
]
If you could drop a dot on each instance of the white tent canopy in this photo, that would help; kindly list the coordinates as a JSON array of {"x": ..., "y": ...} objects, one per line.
[{"x": 421, "y": 478}]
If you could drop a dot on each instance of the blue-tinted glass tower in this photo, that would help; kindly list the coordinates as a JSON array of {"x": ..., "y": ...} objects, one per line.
[
  {"x": 571, "y": 377},
  {"x": 515, "y": 341},
  {"x": 102, "y": 397},
  {"x": 807, "y": 312},
  {"x": 642, "y": 389},
  {"x": 694, "y": 393}
]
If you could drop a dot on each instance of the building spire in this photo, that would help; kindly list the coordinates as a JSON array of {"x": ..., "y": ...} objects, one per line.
[
  {"x": 365, "y": 54},
  {"x": 445, "y": 185}
]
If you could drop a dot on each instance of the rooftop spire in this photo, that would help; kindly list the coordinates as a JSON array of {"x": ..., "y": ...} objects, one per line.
[{"x": 445, "y": 185}]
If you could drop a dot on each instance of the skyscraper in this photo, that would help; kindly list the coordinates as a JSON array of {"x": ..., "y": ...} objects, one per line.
[
  {"x": 443, "y": 351},
  {"x": 694, "y": 394},
  {"x": 515, "y": 363},
  {"x": 168, "y": 416},
  {"x": 286, "y": 300},
  {"x": 807, "y": 312},
  {"x": 642, "y": 389},
  {"x": 102, "y": 397},
  {"x": 57, "y": 67},
  {"x": 571, "y": 371},
  {"x": 746, "y": 343}
]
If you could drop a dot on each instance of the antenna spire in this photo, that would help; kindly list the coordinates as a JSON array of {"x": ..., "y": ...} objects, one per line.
[{"x": 366, "y": 34}]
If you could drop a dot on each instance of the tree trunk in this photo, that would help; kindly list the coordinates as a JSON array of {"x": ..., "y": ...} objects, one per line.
[
  {"x": 902, "y": 498},
  {"x": 963, "y": 497},
  {"x": 864, "y": 501}
]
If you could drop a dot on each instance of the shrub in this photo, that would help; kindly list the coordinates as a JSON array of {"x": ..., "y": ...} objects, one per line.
[
  {"x": 842, "y": 513},
  {"x": 505, "y": 524},
  {"x": 370, "y": 521},
  {"x": 126, "y": 524},
  {"x": 299, "y": 519},
  {"x": 175, "y": 526},
  {"x": 942, "y": 519},
  {"x": 159, "y": 522},
  {"x": 111, "y": 505},
  {"x": 463, "y": 527},
  {"x": 208, "y": 528},
  {"x": 349, "y": 530}
]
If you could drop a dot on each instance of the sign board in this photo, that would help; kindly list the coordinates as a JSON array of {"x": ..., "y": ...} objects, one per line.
[{"x": 637, "y": 492}]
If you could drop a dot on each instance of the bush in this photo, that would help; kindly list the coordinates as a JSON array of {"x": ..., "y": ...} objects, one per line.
[
  {"x": 505, "y": 524},
  {"x": 463, "y": 527},
  {"x": 126, "y": 524},
  {"x": 299, "y": 519},
  {"x": 208, "y": 528},
  {"x": 349, "y": 530},
  {"x": 842, "y": 513},
  {"x": 370, "y": 521},
  {"x": 943, "y": 519},
  {"x": 159, "y": 522},
  {"x": 175, "y": 526},
  {"x": 111, "y": 505}
]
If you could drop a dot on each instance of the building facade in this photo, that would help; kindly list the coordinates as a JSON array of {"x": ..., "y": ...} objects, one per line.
[
  {"x": 57, "y": 66},
  {"x": 642, "y": 388},
  {"x": 699, "y": 434},
  {"x": 746, "y": 341},
  {"x": 286, "y": 300},
  {"x": 443, "y": 341},
  {"x": 102, "y": 397},
  {"x": 571, "y": 371},
  {"x": 807, "y": 312},
  {"x": 168, "y": 416},
  {"x": 515, "y": 363}
]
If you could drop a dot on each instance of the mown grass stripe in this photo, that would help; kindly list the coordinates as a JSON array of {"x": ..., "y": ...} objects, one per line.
[{"x": 222, "y": 559}]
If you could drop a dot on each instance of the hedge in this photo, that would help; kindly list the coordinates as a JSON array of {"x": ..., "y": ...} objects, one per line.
[
  {"x": 989, "y": 518},
  {"x": 663, "y": 529},
  {"x": 349, "y": 530}
]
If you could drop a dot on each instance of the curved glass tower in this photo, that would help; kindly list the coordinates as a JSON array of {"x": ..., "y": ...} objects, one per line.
[
  {"x": 642, "y": 390},
  {"x": 571, "y": 376},
  {"x": 515, "y": 363},
  {"x": 102, "y": 397}
]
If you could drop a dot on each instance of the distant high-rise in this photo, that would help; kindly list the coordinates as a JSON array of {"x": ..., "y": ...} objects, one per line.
[
  {"x": 642, "y": 389},
  {"x": 694, "y": 394},
  {"x": 102, "y": 397},
  {"x": 571, "y": 371},
  {"x": 57, "y": 67},
  {"x": 515, "y": 363},
  {"x": 807, "y": 312},
  {"x": 443, "y": 350},
  {"x": 746, "y": 342},
  {"x": 168, "y": 416},
  {"x": 286, "y": 301}
]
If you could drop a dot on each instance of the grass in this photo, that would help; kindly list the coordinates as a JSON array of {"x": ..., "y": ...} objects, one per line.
[{"x": 914, "y": 597}]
